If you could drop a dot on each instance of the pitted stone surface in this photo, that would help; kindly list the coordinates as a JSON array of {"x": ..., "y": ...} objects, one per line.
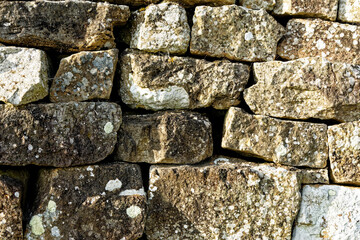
[
  {"x": 312, "y": 176},
  {"x": 258, "y": 4},
  {"x": 192, "y": 3},
  {"x": 328, "y": 212},
  {"x": 176, "y": 137},
  {"x": 159, "y": 28},
  {"x": 349, "y": 11},
  {"x": 62, "y": 25},
  {"x": 163, "y": 82},
  {"x": 89, "y": 202},
  {"x": 306, "y": 88},
  {"x": 222, "y": 201},
  {"x": 337, "y": 42},
  {"x": 284, "y": 142},
  {"x": 85, "y": 76},
  {"x": 58, "y": 135},
  {"x": 235, "y": 32},
  {"x": 23, "y": 75}
]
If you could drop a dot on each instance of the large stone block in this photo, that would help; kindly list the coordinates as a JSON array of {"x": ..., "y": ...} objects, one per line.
[
  {"x": 166, "y": 137},
  {"x": 61, "y": 25},
  {"x": 23, "y": 75},
  {"x": 349, "y": 11},
  {"x": 58, "y": 134},
  {"x": 163, "y": 82},
  {"x": 235, "y": 32},
  {"x": 306, "y": 88},
  {"x": 258, "y": 4},
  {"x": 284, "y": 142},
  {"x": 85, "y": 76},
  {"x": 314, "y": 37},
  {"x": 89, "y": 202}
]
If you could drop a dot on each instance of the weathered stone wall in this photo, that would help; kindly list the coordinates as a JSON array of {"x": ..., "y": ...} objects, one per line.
[{"x": 183, "y": 119}]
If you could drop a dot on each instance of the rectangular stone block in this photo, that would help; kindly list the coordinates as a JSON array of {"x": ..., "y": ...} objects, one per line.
[
  {"x": 349, "y": 11},
  {"x": 258, "y": 4},
  {"x": 193, "y": 3}
]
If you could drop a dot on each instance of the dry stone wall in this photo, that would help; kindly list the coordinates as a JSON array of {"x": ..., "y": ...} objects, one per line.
[{"x": 182, "y": 119}]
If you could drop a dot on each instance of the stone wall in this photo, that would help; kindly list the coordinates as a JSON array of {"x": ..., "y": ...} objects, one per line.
[{"x": 185, "y": 119}]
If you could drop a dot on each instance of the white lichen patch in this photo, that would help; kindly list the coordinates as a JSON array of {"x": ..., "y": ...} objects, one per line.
[
  {"x": 280, "y": 151},
  {"x": 51, "y": 207},
  {"x": 131, "y": 192},
  {"x": 113, "y": 185},
  {"x": 109, "y": 127},
  {"x": 133, "y": 211},
  {"x": 55, "y": 231},
  {"x": 36, "y": 225}
]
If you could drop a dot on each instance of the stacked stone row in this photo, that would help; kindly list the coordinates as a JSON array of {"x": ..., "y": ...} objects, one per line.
[{"x": 175, "y": 66}]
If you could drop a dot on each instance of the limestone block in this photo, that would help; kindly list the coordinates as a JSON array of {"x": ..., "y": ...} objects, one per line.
[
  {"x": 259, "y": 4},
  {"x": 280, "y": 141},
  {"x": 349, "y": 11},
  {"x": 306, "y": 88},
  {"x": 235, "y": 32},
  {"x": 193, "y": 3},
  {"x": 85, "y": 76},
  {"x": 58, "y": 135},
  {"x": 61, "y": 25},
  {"x": 162, "y": 82},
  {"x": 177, "y": 137}
]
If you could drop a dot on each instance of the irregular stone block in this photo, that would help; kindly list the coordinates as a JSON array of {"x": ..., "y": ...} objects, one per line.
[
  {"x": 328, "y": 212},
  {"x": 326, "y": 9},
  {"x": 193, "y": 3},
  {"x": 314, "y": 37},
  {"x": 257, "y": 33},
  {"x": 349, "y": 11},
  {"x": 62, "y": 25},
  {"x": 163, "y": 82},
  {"x": 222, "y": 201},
  {"x": 285, "y": 142},
  {"x": 259, "y": 4},
  {"x": 23, "y": 75},
  {"x": 84, "y": 76},
  {"x": 159, "y": 28},
  {"x": 58, "y": 135},
  {"x": 311, "y": 176},
  {"x": 166, "y": 137},
  {"x": 89, "y": 202},
  {"x": 306, "y": 88}
]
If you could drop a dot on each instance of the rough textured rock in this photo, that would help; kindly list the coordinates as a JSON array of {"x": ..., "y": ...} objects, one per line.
[
  {"x": 159, "y": 28},
  {"x": 257, "y": 33},
  {"x": 192, "y": 3},
  {"x": 84, "y": 76},
  {"x": 90, "y": 202},
  {"x": 62, "y": 25},
  {"x": 344, "y": 152},
  {"x": 314, "y": 37},
  {"x": 311, "y": 176},
  {"x": 178, "y": 137},
  {"x": 326, "y": 9},
  {"x": 306, "y": 88},
  {"x": 58, "y": 134},
  {"x": 328, "y": 212},
  {"x": 23, "y": 75},
  {"x": 285, "y": 142},
  {"x": 258, "y": 4},
  {"x": 349, "y": 11},
  {"x": 222, "y": 201},
  {"x": 163, "y": 82}
]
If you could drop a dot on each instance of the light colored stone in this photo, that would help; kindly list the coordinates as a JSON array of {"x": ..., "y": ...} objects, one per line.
[
  {"x": 284, "y": 142},
  {"x": 337, "y": 42},
  {"x": 235, "y": 32},
  {"x": 176, "y": 137},
  {"x": 159, "y": 28},
  {"x": 258, "y": 4},
  {"x": 163, "y": 82},
  {"x": 193, "y": 3},
  {"x": 84, "y": 76},
  {"x": 23, "y": 75},
  {"x": 222, "y": 200},
  {"x": 328, "y": 212},
  {"x": 306, "y": 88},
  {"x": 349, "y": 11}
]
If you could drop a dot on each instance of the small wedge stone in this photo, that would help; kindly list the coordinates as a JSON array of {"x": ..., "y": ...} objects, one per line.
[
  {"x": 258, "y": 4},
  {"x": 314, "y": 176},
  {"x": 193, "y": 3}
]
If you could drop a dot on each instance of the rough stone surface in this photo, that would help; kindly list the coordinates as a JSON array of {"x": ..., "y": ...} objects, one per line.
[
  {"x": 213, "y": 33},
  {"x": 62, "y": 25},
  {"x": 89, "y": 202},
  {"x": 192, "y": 3},
  {"x": 222, "y": 201},
  {"x": 85, "y": 76},
  {"x": 58, "y": 134},
  {"x": 163, "y": 82},
  {"x": 349, "y": 11},
  {"x": 326, "y": 9},
  {"x": 306, "y": 88},
  {"x": 178, "y": 137},
  {"x": 315, "y": 37},
  {"x": 258, "y": 4},
  {"x": 344, "y": 152},
  {"x": 23, "y": 75},
  {"x": 328, "y": 212},
  {"x": 311, "y": 176},
  {"x": 159, "y": 28},
  {"x": 285, "y": 142}
]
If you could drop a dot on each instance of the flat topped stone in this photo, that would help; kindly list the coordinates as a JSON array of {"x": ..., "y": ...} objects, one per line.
[
  {"x": 306, "y": 88},
  {"x": 258, "y": 4},
  {"x": 60, "y": 25},
  {"x": 337, "y": 42},
  {"x": 58, "y": 135},
  {"x": 214, "y": 28},
  {"x": 193, "y": 3},
  {"x": 349, "y": 11}
]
